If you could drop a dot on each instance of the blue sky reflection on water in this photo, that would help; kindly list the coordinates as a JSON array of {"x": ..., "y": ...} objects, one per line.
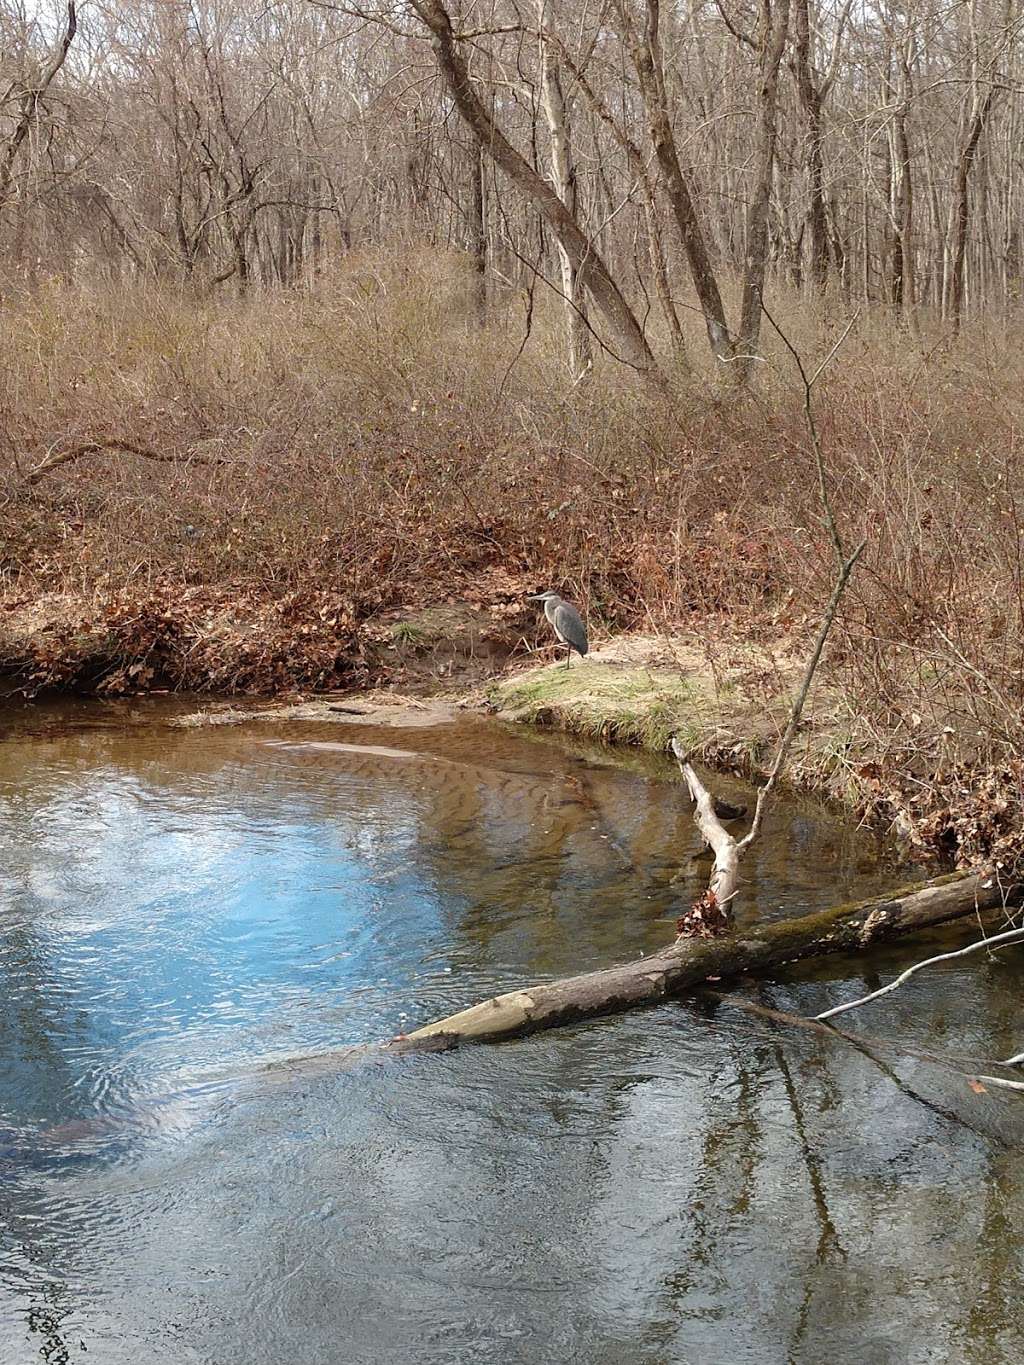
[{"x": 198, "y": 931}]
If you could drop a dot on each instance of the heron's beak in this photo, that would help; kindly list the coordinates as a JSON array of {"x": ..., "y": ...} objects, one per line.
[{"x": 537, "y": 597}]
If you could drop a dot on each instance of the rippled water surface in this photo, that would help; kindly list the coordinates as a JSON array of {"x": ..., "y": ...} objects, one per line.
[{"x": 181, "y": 907}]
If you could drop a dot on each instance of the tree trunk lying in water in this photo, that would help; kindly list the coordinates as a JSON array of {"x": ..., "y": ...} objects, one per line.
[{"x": 691, "y": 961}]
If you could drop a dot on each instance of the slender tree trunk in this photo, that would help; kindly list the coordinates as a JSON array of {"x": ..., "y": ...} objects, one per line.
[
  {"x": 478, "y": 232},
  {"x": 563, "y": 174},
  {"x": 811, "y": 102},
  {"x": 656, "y": 249},
  {"x": 643, "y": 178},
  {"x": 865, "y": 246},
  {"x": 646, "y": 55},
  {"x": 961, "y": 212},
  {"x": 899, "y": 188},
  {"x": 840, "y": 248},
  {"x": 903, "y": 294},
  {"x": 773, "y": 30}
]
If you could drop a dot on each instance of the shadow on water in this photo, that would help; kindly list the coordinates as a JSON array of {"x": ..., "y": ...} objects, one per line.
[{"x": 179, "y": 908}]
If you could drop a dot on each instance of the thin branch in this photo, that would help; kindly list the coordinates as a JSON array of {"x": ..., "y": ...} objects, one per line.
[
  {"x": 1011, "y": 936},
  {"x": 102, "y": 447},
  {"x": 738, "y": 33},
  {"x": 812, "y": 429},
  {"x": 464, "y": 35},
  {"x": 798, "y": 705}
]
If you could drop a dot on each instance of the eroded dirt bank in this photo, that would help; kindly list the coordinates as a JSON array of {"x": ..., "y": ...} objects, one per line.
[{"x": 235, "y": 640}]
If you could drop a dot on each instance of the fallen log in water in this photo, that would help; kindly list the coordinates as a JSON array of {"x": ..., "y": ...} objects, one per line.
[{"x": 690, "y": 961}]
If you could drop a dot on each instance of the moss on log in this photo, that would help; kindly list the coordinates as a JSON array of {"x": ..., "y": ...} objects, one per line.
[{"x": 689, "y": 962}]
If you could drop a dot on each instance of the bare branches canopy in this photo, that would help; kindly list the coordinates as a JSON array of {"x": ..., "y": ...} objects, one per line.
[{"x": 643, "y": 160}]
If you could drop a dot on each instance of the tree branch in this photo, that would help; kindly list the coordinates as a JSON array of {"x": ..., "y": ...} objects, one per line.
[
  {"x": 809, "y": 382},
  {"x": 102, "y": 447},
  {"x": 725, "y": 873},
  {"x": 31, "y": 98},
  {"x": 796, "y": 712},
  {"x": 1011, "y": 936}
]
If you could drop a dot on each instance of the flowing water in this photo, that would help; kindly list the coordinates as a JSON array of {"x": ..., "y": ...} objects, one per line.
[{"x": 693, "y": 1183}]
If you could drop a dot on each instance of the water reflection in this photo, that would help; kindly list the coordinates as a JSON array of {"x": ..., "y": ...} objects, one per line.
[{"x": 692, "y": 1183}]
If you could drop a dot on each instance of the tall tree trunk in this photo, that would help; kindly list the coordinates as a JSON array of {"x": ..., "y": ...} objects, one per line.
[
  {"x": 961, "y": 187},
  {"x": 903, "y": 293},
  {"x": 627, "y": 335},
  {"x": 643, "y": 178},
  {"x": 646, "y": 55},
  {"x": 563, "y": 174},
  {"x": 773, "y": 29},
  {"x": 896, "y": 94},
  {"x": 656, "y": 249},
  {"x": 478, "y": 232},
  {"x": 811, "y": 101}
]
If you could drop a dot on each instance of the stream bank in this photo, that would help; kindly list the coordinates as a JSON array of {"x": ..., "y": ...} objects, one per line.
[{"x": 947, "y": 793}]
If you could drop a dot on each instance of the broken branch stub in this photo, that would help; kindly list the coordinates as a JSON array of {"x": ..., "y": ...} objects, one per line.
[{"x": 726, "y": 870}]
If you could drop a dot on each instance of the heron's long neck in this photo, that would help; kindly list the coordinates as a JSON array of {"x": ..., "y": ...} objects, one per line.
[{"x": 550, "y": 607}]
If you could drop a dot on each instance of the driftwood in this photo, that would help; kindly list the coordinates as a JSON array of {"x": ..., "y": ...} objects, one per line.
[{"x": 688, "y": 962}]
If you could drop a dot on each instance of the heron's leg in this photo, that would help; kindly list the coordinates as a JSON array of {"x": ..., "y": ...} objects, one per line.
[{"x": 568, "y": 655}]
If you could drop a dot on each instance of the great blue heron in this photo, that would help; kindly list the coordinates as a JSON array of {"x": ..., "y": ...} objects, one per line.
[{"x": 566, "y": 622}]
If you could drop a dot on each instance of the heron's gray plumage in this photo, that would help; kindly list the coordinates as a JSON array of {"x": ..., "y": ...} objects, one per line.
[{"x": 566, "y": 622}]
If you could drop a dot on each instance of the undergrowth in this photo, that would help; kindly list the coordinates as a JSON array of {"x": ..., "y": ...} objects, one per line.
[{"x": 315, "y": 466}]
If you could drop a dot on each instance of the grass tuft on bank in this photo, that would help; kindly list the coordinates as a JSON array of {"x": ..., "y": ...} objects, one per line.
[
  {"x": 642, "y": 690},
  {"x": 615, "y": 704}
]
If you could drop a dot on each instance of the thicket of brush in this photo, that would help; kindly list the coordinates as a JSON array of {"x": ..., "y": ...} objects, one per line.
[{"x": 324, "y": 456}]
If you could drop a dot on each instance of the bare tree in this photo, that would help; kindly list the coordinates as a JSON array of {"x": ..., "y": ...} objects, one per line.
[
  {"x": 582, "y": 255},
  {"x": 28, "y": 92},
  {"x": 633, "y": 154}
]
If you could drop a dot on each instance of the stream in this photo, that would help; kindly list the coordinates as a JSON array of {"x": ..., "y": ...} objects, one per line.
[{"x": 184, "y": 910}]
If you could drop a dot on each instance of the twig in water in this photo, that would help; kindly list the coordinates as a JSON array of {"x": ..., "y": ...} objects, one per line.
[{"x": 1011, "y": 936}]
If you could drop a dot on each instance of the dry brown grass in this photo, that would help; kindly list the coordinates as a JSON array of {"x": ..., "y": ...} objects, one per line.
[{"x": 380, "y": 451}]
